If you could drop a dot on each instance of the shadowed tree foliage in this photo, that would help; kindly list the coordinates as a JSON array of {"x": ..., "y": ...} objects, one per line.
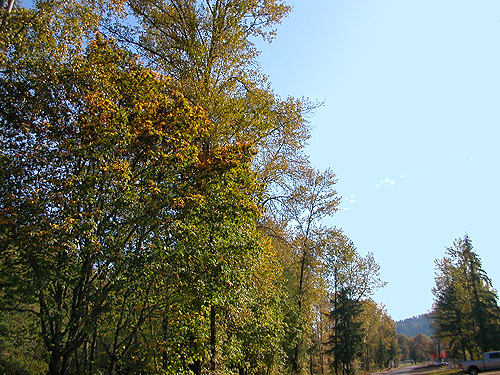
[
  {"x": 347, "y": 337},
  {"x": 404, "y": 348},
  {"x": 466, "y": 312},
  {"x": 421, "y": 348},
  {"x": 102, "y": 163}
]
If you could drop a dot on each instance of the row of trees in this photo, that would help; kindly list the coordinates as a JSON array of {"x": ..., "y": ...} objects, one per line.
[
  {"x": 157, "y": 213},
  {"x": 466, "y": 315},
  {"x": 418, "y": 348}
]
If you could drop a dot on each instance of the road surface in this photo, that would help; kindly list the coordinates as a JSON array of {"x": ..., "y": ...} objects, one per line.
[{"x": 426, "y": 370}]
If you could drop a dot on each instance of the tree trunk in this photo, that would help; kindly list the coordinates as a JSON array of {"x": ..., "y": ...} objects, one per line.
[
  {"x": 59, "y": 363},
  {"x": 296, "y": 353},
  {"x": 213, "y": 338},
  {"x": 195, "y": 367},
  {"x": 164, "y": 327},
  {"x": 295, "y": 363},
  {"x": 55, "y": 362}
]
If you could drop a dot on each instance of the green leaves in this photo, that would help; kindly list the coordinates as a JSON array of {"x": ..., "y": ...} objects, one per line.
[
  {"x": 465, "y": 304},
  {"x": 107, "y": 169},
  {"x": 162, "y": 221}
]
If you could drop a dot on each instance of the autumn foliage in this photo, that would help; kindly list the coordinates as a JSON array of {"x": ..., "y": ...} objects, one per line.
[{"x": 157, "y": 213}]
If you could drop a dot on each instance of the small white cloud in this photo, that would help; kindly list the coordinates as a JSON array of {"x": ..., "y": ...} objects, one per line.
[
  {"x": 348, "y": 200},
  {"x": 386, "y": 180},
  {"x": 470, "y": 159},
  {"x": 352, "y": 198}
]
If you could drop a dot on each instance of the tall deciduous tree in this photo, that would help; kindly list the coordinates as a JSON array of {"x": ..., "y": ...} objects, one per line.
[
  {"x": 350, "y": 279},
  {"x": 310, "y": 199},
  {"x": 101, "y": 160},
  {"x": 208, "y": 48}
]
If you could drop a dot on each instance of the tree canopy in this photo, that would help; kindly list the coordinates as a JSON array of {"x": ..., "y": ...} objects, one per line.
[{"x": 157, "y": 211}]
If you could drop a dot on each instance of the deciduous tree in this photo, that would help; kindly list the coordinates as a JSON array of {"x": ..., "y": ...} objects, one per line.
[
  {"x": 421, "y": 348},
  {"x": 101, "y": 161},
  {"x": 380, "y": 344},
  {"x": 404, "y": 349},
  {"x": 350, "y": 280},
  {"x": 208, "y": 48},
  {"x": 311, "y": 198}
]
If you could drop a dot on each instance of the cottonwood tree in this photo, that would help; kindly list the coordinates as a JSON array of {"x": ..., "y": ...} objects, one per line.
[
  {"x": 308, "y": 200},
  {"x": 350, "y": 280},
  {"x": 208, "y": 48}
]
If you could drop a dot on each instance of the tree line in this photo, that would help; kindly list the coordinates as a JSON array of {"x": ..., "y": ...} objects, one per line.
[
  {"x": 414, "y": 325},
  {"x": 158, "y": 214},
  {"x": 465, "y": 317}
]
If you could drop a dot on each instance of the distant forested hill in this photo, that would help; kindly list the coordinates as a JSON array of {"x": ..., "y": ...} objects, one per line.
[{"x": 413, "y": 326}]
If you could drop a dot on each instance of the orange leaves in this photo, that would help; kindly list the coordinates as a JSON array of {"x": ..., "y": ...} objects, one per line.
[
  {"x": 136, "y": 109},
  {"x": 227, "y": 157},
  {"x": 188, "y": 200},
  {"x": 178, "y": 203}
]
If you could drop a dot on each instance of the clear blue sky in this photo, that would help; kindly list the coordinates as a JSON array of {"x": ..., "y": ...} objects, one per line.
[{"x": 409, "y": 125}]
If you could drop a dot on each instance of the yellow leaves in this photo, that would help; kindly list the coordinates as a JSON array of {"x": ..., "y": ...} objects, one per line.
[
  {"x": 189, "y": 199},
  {"x": 161, "y": 78},
  {"x": 70, "y": 221},
  {"x": 178, "y": 203},
  {"x": 139, "y": 107},
  {"x": 227, "y": 157},
  {"x": 153, "y": 187}
]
